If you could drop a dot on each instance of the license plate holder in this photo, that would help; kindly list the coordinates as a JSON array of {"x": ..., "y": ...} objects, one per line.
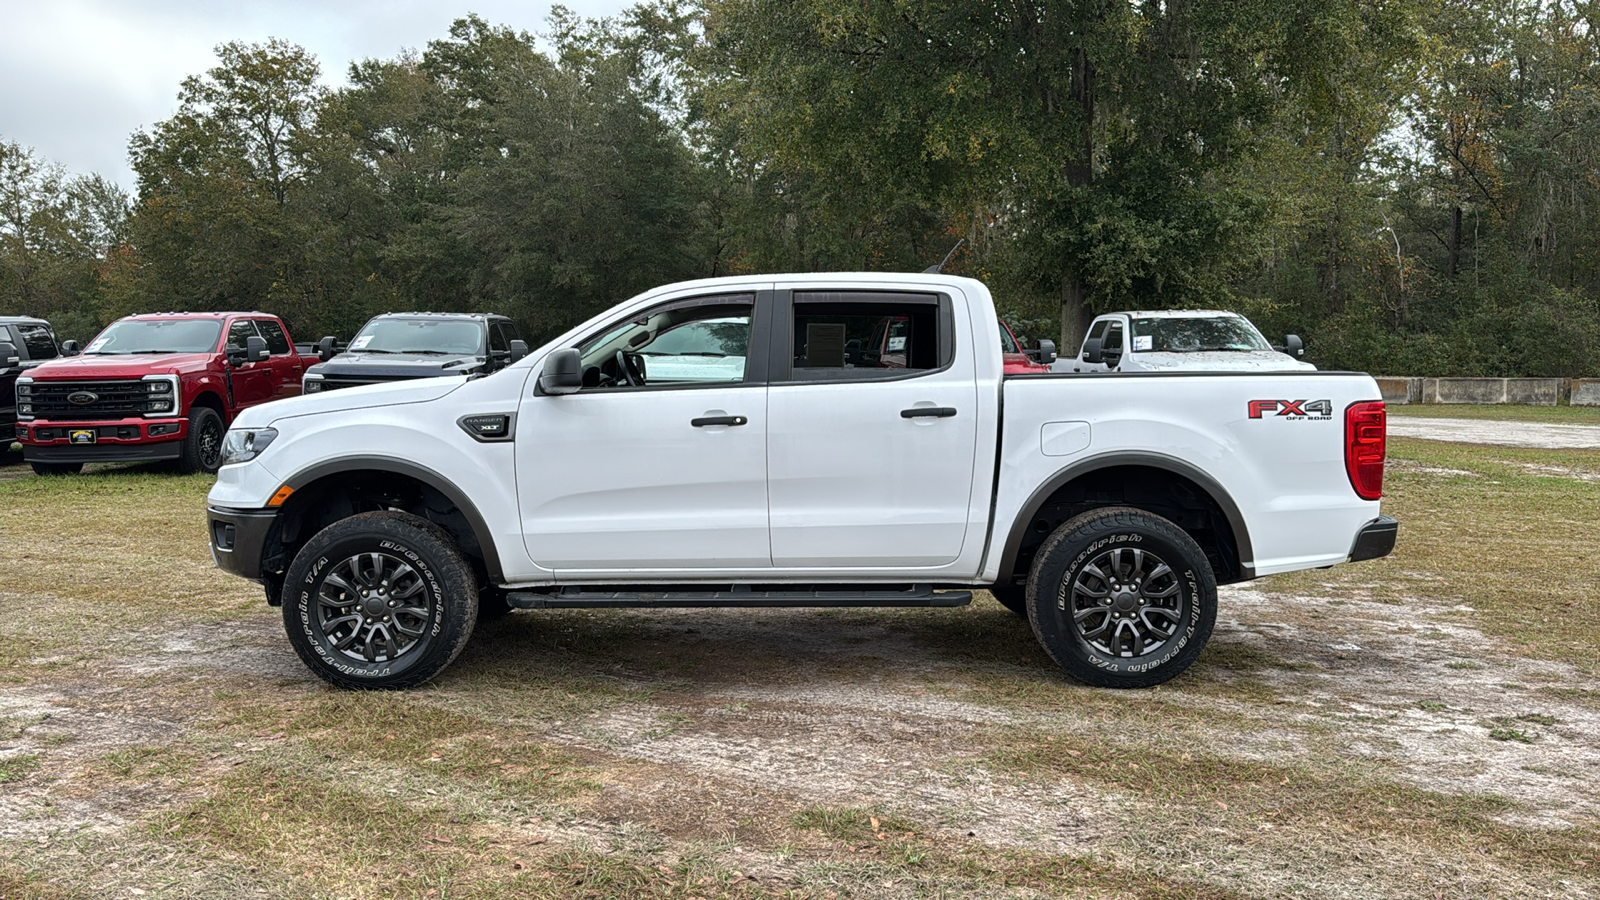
[{"x": 82, "y": 436}]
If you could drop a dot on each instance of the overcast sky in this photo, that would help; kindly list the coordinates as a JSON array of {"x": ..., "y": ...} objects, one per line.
[{"x": 77, "y": 77}]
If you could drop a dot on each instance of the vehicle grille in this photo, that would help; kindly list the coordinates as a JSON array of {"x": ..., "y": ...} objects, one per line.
[
  {"x": 120, "y": 399},
  {"x": 334, "y": 382}
]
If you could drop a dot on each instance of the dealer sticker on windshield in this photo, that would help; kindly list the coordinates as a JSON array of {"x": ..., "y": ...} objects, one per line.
[{"x": 1142, "y": 342}]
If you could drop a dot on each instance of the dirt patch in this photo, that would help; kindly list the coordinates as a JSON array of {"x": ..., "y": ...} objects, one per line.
[{"x": 1515, "y": 434}]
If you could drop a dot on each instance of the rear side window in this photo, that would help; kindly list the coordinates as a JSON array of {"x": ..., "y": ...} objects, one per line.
[
  {"x": 842, "y": 336},
  {"x": 239, "y": 334},
  {"x": 277, "y": 341},
  {"x": 37, "y": 339}
]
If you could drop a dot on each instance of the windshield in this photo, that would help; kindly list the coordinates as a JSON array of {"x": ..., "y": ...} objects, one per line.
[
  {"x": 1195, "y": 334},
  {"x": 157, "y": 336},
  {"x": 442, "y": 336}
]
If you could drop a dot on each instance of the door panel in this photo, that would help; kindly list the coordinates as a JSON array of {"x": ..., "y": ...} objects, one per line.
[
  {"x": 870, "y": 465},
  {"x": 622, "y": 480}
]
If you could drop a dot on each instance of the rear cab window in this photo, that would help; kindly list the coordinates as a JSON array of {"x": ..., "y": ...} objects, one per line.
[{"x": 854, "y": 336}]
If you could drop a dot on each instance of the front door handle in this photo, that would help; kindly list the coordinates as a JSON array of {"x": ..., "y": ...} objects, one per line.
[
  {"x": 928, "y": 412},
  {"x": 703, "y": 421}
]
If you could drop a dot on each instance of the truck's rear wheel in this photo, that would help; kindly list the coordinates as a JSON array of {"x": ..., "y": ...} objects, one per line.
[
  {"x": 379, "y": 600},
  {"x": 202, "y": 447},
  {"x": 1120, "y": 597}
]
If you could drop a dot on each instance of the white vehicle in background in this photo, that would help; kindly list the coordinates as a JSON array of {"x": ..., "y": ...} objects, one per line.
[{"x": 1196, "y": 340}]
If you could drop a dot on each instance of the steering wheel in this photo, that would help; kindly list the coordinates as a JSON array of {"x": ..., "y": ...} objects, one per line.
[{"x": 626, "y": 368}]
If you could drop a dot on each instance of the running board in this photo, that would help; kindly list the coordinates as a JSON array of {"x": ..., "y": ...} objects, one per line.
[{"x": 919, "y": 595}]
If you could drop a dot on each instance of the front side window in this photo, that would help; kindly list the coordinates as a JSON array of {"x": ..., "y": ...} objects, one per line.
[
  {"x": 497, "y": 338},
  {"x": 1196, "y": 334},
  {"x": 451, "y": 337},
  {"x": 38, "y": 341},
  {"x": 845, "y": 338},
  {"x": 240, "y": 333},
  {"x": 1097, "y": 331},
  {"x": 1113, "y": 337},
  {"x": 277, "y": 341},
  {"x": 700, "y": 341},
  {"x": 157, "y": 336}
]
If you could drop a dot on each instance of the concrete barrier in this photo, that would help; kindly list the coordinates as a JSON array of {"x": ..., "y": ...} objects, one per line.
[
  {"x": 1400, "y": 390},
  {"x": 1586, "y": 392},
  {"x": 1523, "y": 391}
]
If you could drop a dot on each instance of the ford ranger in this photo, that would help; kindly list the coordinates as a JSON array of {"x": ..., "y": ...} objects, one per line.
[
  {"x": 754, "y": 463},
  {"x": 162, "y": 386}
]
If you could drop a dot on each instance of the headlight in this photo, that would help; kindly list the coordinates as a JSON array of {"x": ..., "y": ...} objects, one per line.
[
  {"x": 161, "y": 392},
  {"x": 24, "y": 389},
  {"x": 313, "y": 384},
  {"x": 244, "y": 444}
]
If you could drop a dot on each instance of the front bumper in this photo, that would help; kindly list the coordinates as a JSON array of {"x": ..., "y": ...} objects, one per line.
[
  {"x": 1375, "y": 539},
  {"x": 236, "y": 538},
  {"x": 115, "y": 440}
]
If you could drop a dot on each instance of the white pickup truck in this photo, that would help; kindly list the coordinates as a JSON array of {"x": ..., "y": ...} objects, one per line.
[
  {"x": 1170, "y": 340},
  {"x": 763, "y": 463}
]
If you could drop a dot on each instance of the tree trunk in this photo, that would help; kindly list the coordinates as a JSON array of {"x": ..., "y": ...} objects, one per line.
[
  {"x": 1075, "y": 312},
  {"x": 1075, "y": 316},
  {"x": 1455, "y": 242}
]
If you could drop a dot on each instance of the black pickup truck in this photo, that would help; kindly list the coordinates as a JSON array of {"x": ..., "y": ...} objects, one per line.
[
  {"x": 24, "y": 343},
  {"x": 400, "y": 346}
]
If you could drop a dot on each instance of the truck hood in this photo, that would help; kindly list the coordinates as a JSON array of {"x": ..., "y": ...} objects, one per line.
[
  {"x": 1216, "y": 361},
  {"x": 395, "y": 365},
  {"x": 363, "y": 397},
  {"x": 135, "y": 365}
]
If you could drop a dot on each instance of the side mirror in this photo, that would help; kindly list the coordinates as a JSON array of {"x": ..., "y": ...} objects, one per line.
[
  {"x": 255, "y": 349},
  {"x": 519, "y": 349},
  {"x": 8, "y": 355},
  {"x": 327, "y": 348},
  {"x": 1092, "y": 352},
  {"x": 563, "y": 372},
  {"x": 1293, "y": 346},
  {"x": 70, "y": 348},
  {"x": 1047, "y": 352}
]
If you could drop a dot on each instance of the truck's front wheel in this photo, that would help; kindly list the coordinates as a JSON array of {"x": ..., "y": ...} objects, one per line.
[
  {"x": 379, "y": 600},
  {"x": 202, "y": 448},
  {"x": 1120, "y": 597}
]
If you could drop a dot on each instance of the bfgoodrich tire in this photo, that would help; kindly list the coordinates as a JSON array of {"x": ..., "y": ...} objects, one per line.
[
  {"x": 379, "y": 600},
  {"x": 1122, "y": 598},
  {"x": 202, "y": 447}
]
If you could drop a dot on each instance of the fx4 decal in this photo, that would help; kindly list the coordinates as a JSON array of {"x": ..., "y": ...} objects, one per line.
[{"x": 1294, "y": 409}]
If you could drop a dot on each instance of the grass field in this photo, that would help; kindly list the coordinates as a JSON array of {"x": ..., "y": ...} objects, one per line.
[{"x": 1427, "y": 725}]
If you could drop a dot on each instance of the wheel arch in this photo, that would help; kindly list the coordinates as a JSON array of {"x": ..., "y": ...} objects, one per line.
[
  {"x": 333, "y": 482},
  {"x": 1118, "y": 469},
  {"x": 211, "y": 400}
]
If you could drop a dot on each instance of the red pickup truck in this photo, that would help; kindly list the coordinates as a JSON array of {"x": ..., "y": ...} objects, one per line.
[{"x": 162, "y": 386}]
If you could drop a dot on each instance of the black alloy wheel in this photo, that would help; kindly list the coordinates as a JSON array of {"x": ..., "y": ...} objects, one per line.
[{"x": 201, "y": 449}]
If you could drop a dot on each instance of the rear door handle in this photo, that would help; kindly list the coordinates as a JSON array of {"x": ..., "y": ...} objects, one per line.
[
  {"x": 703, "y": 421},
  {"x": 928, "y": 412}
]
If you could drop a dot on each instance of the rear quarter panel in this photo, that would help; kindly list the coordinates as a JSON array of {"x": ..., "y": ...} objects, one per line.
[{"x": 1285, "y": 473}]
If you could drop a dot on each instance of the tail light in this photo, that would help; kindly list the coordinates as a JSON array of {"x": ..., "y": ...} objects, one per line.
[{"x": 1365, "y": 436}]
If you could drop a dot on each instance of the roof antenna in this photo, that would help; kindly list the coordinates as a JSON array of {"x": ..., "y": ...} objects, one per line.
[{"x": 935, "y": 270}]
